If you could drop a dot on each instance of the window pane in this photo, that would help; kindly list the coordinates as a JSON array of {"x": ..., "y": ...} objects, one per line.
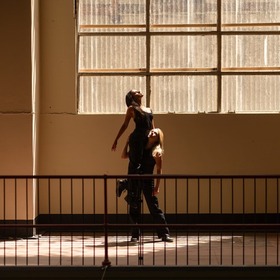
[
  {"x": 115, "y": 14},
  {"x": 251, "y": 94},
  {"x": 183, "y": 52},
  {"x": 112, "y": 52},
  {"x": 153, "y": 54},
  {"x": 251, "y": 51},
  {"x": 184, "y": 94},
  {"x": 106, "y": 94},
  {"x": 251, "y": 11},
  {"x": 183, "y": 12}
]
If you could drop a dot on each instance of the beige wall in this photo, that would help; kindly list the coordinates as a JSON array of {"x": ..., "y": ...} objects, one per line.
[
  {"x": 75, "y": 144},
  {"x": 16, "y": 116},
  {"x": 195, "y": 144},
  {"x": 15, "y": 88}
]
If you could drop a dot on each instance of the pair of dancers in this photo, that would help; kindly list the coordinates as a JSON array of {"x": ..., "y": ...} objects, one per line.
[{"x": 144, "y": 149}]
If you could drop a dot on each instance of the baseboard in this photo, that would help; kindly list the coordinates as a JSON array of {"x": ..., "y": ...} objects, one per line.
[
  {"x": 7, "y": 230},
  {"x": 98, "y": 221}
]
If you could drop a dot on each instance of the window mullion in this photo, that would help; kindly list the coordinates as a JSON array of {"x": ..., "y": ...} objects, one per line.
[
  {"x": 148, "y": 54},
  {"x": 219, "y": 56}
]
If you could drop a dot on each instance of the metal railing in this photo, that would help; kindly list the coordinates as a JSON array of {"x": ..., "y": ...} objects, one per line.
[{"x": 79, "y": 221}]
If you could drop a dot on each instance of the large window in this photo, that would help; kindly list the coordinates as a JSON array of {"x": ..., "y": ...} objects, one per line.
[{"x": 186, "y": 56}]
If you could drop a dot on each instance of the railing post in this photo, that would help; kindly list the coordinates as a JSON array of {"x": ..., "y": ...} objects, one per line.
[{"x": 106, "y": 261}]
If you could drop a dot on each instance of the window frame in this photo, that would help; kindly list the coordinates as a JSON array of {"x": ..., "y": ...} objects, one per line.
[{"x": 219, "y": 72}]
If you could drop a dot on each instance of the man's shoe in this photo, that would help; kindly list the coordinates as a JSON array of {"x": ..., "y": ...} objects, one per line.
[
  {"x": 167, "y": 238},
  {"x": 121, "y": 186},
  {"x": 134, "y": 239}
]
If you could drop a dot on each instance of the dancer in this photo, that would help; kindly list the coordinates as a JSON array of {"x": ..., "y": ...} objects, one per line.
[
  {"x": 143, "y": 118},
  {"x": 152, "y": 156}
]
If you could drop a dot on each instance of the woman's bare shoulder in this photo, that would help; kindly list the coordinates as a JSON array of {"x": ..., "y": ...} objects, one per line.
[{"x": 130, "y": 111}]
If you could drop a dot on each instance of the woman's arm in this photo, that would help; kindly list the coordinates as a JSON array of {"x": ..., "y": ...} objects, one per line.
[
  {"x": 153, "y": 124},
  {"x": 128, "y": 116},
  {"x": 124, "y": 154},
  {"x": 158, "y": 160}
]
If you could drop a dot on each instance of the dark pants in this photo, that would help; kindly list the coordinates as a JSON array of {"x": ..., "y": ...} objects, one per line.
[
  {"x": 135, "y": 190},
  {"x": 136, "y": 149}
]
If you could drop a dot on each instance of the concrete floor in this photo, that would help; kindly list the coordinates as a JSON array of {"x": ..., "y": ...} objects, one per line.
[{"x": 87, "y": 249}]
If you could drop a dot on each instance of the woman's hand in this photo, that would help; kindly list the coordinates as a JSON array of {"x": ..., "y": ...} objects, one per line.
[
  {"x": 155, "y": 191},
  {"x": 114, "y": 146}
]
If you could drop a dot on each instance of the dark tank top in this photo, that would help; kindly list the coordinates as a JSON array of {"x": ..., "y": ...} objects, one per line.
[
  {"x": 143, "y": 122},
  {"x": 138, "y": 139}
]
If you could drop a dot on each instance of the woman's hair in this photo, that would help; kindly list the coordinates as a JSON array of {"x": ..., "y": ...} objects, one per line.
[
  {"x": 157, "y": 150},
  {"x": 129, "y": 100}
]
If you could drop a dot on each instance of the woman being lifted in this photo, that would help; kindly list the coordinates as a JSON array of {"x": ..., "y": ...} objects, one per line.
[{"x": 143, "y": 118}]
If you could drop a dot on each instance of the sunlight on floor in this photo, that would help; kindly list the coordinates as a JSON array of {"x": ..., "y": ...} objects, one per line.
[{"x": 84, "y": 249}]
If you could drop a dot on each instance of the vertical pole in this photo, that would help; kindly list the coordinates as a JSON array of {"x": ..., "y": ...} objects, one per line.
[
  {"x": 148, "y": 54},
  {"x": 106, "y": 261},
  {"x": 219, "y": 55}
]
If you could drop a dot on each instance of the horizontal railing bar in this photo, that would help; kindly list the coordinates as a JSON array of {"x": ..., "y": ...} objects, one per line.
[
  {"x": 192, "y": 226},
  {"x": 137, "y": 176}
]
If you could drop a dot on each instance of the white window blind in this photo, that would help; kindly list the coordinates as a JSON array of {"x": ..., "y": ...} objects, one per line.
[{"x": 186, "y": 56}]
